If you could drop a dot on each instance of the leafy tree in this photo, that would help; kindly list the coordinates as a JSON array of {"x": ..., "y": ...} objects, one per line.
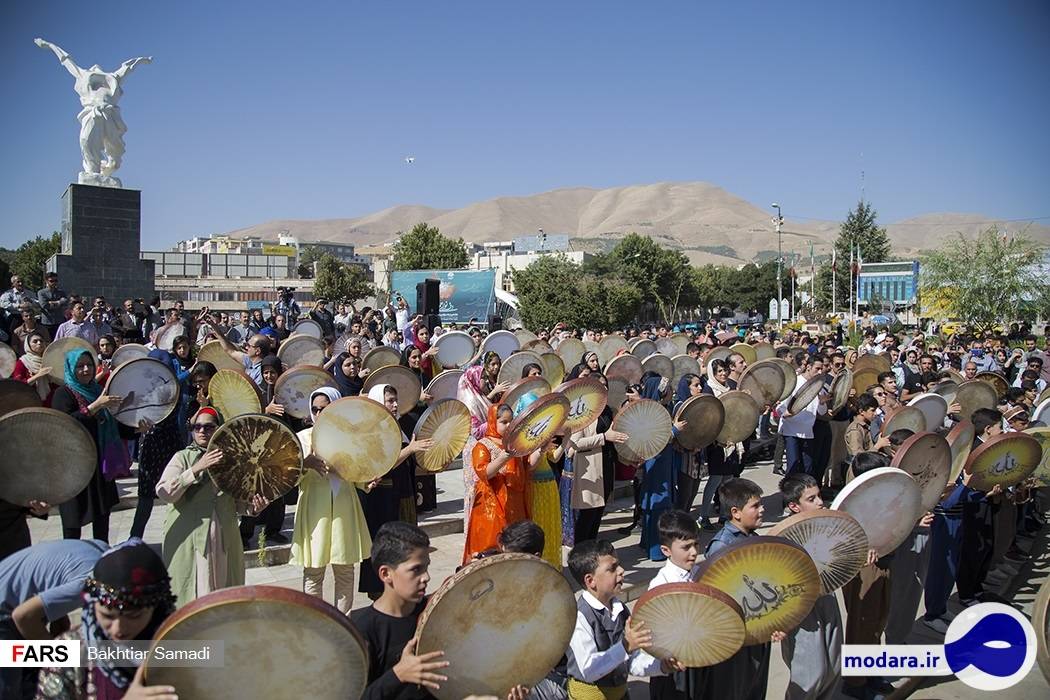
[
  {"x": 31, "y": 257},
  {"x": 308, "y": 255},
  {"x": 860, "y": 227},
  {"x": 425, "y": 248},
  {"x": 337, "y": 280},
  {"x": 5, "y": 267},
  {"x": 987, "y": 280},
  {"x": 554, "y": 289}
]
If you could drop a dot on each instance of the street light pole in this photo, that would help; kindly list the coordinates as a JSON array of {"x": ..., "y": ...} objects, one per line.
[{"x": 780, "y": 264}]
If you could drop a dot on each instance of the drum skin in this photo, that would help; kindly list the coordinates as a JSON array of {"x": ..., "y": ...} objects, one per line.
[
  {"x": 834, "y": 540},
  {"x": 382, "y": 356},
  {"x": 1006, "y": 459},
  {"x": 805, "y": 395},
  {"x": 975, "y": 394},
  {"x": 534, "y": 386},
  {"x": 790, "y": 377},
  {"x": 840, "y": 388},
  {"x": 626, "y": 367},
  {"x": 132, "y": 351},
  {"x": 503, "y": 343},
  {"x": 960, "y": 440},
  {"x": 648, "y": 427},
  {"x": 553, "y": 368},
  {"x": 298, "y": 350},
  {"x": 213, "y": 352},
  {"x": 904, "y": 418},
  {"x": 742, "y": 413},
  {"x": 260, "y": 455},
  {"x": 661, "y": 364},
  {"x": 403, "y": 379},
  {"x": 706, "y": 418},
  {"x": 536, "y": 425},
  {"x": 330, "y": 660},
  {"x": 445, "y": 385},
  {"x": 293, "y": 388},
  {"x": 339, "y": 438},
  {"x": 15, "y": 395},
  {"x": 55, "y": 356},
  {"x": 871, "y": 363},
  {"x": 643, "y": 348},
  {"x": 571, "y": 351},
  {"x": 886, "y": 502},
  {"x": 695, "y": 624},
  {"x": 927, "y": 457},
  {"x": 8, "y": 358},
  {"x": 933, "y": 406},
  {"x": 746, "y": 351},
  {"x": 148, "y": 388},
  {"x": 48, "y": 456},
  {"x": 511, "y": 369},
  {"x": 764, "y": 381},
  {"x": 503, "y": 621},
  {"x": 447, "y": 423},
  {"x": 609, "y": 347},
  {"x": 233, "y": 394},
  {"x": 587, "y": 398},
  {"x": 308, "y": 327},
  {"x": 1042, "y": 471}
]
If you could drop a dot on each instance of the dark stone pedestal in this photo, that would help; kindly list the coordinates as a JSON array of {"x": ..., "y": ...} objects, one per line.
[{"x": 101, "y": 229}]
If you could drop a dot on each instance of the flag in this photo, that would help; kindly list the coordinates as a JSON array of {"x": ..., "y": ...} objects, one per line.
[
  {"x": 812, "y": 266},
  {"x": 834, "y": 266}
]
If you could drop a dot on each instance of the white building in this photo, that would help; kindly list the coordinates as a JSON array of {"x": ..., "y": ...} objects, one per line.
[{"x": 505, "y": 261}]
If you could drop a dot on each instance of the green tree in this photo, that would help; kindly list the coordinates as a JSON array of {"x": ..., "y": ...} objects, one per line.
[
  {"x": 554, "y": 289},
  {"x": 336, "y": 281},
  {"x": 987, "y": 280},
  {"x": 425, "y": 248},
  {"x": 860, "y": 227},
  {"x": 31, "y": 257},
  {"x": 308, "y": 255}
]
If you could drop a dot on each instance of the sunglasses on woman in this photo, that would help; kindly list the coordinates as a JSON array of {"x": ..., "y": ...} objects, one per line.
[{"x": 203, "y": 427}]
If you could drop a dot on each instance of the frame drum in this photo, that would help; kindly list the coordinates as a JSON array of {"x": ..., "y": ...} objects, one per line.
[
  {"x": 358, "y": 438},
  {"x": 648, "y": 427},
  {"x": 445, "y": 385},
  {"x": 745, "y": 351},
  {"x": 661, "y": 364},
  {"x": 764, "y": 351},
  {"x": 492, "y": 642},
  {"x": 525, "y": 336},
  {"x": 764, "y": 381},
  {"x": 260, "y": 455},
  {"x": 8, "y": 358},
  {"x": 510, "y": 371},
  {"x": 538, "y": 346},
  {"x": 683, "y": 365},
  {"x": 149, "y": 388},
  {"x": 536, "y": 425},
  {"x": 933, "y": 407},
  {"x": 666, "y": 346},
  {"x": 309, "y": 327},
  {"x": 166, "y": 337},
  {"x": 503, "y": 343},
  {"x": 331, "y": 659},
  {"x": 863, "y": 379},
  {"x": 681, "y": 342},
  {"x": 55, "y": 356},
  {"x": 834, "y": 540},
  {"x": 805, "y": 395},
  {"x": 553, "y": 368},
  {"x": 1041, "y": 623},
  {"x": 298, "y": 350},
  {"x": 643, "y": 348},
  {"x": 946, "y": 389},
  {"x": 587, "y": 399},
  {"x": 706, "y": 417},
  {"x": 48, "y": 456},
  {"x": 790, "y": 377},
  {"x": 997, "y": 382},
  {"x": 378, "y": 357},
  {"x": 906, "y": 418},
  {"x": 697, "y": 625},
  {"x": 927, "y": 457},
  {"x": 625, "y": 367},
  {"x": 570, "y": 351},
  {"x": 773, "y": 579},
  {"x": 886, "y": 502},
  {"x": 717, "y": 353},
  {"x": 293, "y": 388},
  {"x": 212, "y": 352},
  {"x": 403, "y": 379},
  {"x": 233, "y": 394},
  {"x": 1042, "y": 472},
  {"x": 611, "y": 346},
  {"x": 960, "y": 440},
  {"x": 1042, "y": 412},
  {"x": 15, "y": 395},
  {"x": 1006, "y": 459},
  {"x": 131, "y": 351},
  {"x": 447, "y": 423},
  {"x": 741, "y": 417},
  {"x": 840, "y": 388},
  {"x": 975, "y": 394},
  {"x": 534, "y": 386},
  {"x": 871, "y": 363}
]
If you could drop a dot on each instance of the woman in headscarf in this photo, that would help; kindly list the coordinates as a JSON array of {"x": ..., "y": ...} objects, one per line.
[
  {"x": 501, "y": 493},
  {"x": 689, "y": 477},
  {"x": 393, "y": 496},
  {"x": 330, "y": 526},
  {"x": 531, "y": 370},
  {"x": 272, "y": 517},
  {"x": 82, "y": 398},
  {"x": 718, "y": 468},
  {"x": 180, "y": 360},
  {"x": 106, "y": 347},
  {"x": 659, "y": 475},
  {"x": 421, "y": 335},
  {"x": 202, "y": 547},
  {"x": 29, "y": 368},
  {"x": 126, "y": 598},
  {"x": 346, "y": 376},
  {"x": 426, "y": 484}
]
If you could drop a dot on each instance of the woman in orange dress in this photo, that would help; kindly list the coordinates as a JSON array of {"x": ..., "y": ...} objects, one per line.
[{"x": 501, "y": 492}]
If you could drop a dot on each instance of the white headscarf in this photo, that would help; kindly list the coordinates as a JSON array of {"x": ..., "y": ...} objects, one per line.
[
  {"x": 377, "y": 394},
  {"x": 331, "y": 393}
]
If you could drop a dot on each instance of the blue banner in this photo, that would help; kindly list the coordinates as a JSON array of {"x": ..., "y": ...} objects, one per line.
[{"x": 464, "y": 294}]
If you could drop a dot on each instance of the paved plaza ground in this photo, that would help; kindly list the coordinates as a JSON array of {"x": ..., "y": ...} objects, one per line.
[{"x": 445, "y": 527}]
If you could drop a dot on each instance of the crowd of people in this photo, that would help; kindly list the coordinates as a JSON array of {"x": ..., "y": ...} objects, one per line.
[{"x": 538, "y": 503}]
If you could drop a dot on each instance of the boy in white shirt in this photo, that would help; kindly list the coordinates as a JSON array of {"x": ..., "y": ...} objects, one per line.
[{"x": 680, "y": 543}]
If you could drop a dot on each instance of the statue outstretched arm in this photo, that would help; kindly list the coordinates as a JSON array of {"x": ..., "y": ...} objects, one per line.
[
  {"x": 129, "y": 65},
  {"x": 64, "y": 58}
]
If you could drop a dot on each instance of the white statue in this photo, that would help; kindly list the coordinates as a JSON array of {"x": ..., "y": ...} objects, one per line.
[{"x": 101, "y": 128}]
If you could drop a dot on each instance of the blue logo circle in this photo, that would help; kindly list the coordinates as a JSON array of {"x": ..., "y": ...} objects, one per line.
[{"x": 990, "y": 646}]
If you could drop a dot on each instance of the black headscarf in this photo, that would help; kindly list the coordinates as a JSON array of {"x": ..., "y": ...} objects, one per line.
[{"x": 348, "y": 386}]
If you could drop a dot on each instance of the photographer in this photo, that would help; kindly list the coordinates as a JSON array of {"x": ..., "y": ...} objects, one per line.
[
  {"x": 324, "y": 318},
  {"x": 287, "y": 306}
]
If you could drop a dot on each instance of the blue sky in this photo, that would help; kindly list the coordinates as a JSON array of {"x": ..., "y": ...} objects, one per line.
[{"x": 260, "y": 110}]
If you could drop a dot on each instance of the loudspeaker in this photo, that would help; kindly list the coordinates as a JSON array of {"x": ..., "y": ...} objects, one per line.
[
  {"x": 432, "y": 321},
  {"x": 495, "y": 323},
  {"x": 427, "y": 296}
]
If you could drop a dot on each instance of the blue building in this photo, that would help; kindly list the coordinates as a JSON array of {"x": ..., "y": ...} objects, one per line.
[{"x": 896, "y": 283}]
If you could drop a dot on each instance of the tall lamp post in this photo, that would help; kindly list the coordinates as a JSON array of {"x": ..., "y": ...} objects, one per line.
[{"x": 778, "y": 221}]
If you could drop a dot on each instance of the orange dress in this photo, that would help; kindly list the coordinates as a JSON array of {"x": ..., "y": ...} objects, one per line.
[{"x": 498, "y": 500}]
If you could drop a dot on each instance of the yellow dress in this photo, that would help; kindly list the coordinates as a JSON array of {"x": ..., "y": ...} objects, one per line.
[
  {"x": 330, "y": 525},
  {"x": 546, "y": 510}
]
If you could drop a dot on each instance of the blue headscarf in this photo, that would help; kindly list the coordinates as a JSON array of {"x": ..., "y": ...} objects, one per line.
[
  {"x": 89, "y": 391},
  {"x": 682, "y": 391},
  {"x": 651, "y": 388},
  {"x": 113, "y": 455}
]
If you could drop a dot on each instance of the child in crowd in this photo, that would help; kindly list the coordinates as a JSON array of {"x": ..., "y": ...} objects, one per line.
[
  {"x": 812, "y": 651},
  {"x": 605, "y": 647},
  {"x": 680, "y": 543},
  {"x": 521, "y": 537}
]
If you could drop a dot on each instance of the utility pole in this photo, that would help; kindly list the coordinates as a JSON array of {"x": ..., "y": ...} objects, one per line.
[{"x": 778, "y": 222}]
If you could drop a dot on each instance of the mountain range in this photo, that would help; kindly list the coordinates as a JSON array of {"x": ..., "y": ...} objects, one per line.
[{"x": 703, "y": 220}]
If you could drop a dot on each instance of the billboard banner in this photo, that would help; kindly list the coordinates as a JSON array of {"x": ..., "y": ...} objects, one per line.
[
  {"x": 287, "y": 251},
  {"x": 464, "y": 294}
]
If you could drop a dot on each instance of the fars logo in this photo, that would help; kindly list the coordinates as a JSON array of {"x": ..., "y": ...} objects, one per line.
[
  {"x": 990, "y": 646},
  {"x": 40, "y": 654}
]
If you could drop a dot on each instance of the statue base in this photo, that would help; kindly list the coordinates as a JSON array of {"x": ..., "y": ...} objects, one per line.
[
  {"x": 99, "y": 180},
  {"x": 100, "y": 253}
]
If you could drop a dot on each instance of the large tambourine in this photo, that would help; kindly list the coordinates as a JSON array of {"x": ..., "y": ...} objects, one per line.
[
  {"x": 642, "y": 348},
  {"x": 166, "y": 336},
  {"x": 233, "y": 394},
  {"x": 745, "y": 351},
  {"x": 872, "y": 363},
  {"x": 330, "y": 660},
  {"x": 648, "y": 427},
  {"x": 536, "y": 425},
  {"x": 55, "y": 356},
  {"x": 617, "y": 392},
  {"x": 403, "y": 379},
  {"x": 834, "y": 540},
  {"x": 975, "y": 394},
  {"x": 510, "y": 371},
  {"x": 309, "y": 327},
  {"x": 503, "y": 343},
  {"x": 447, "y": 423},
  {"x": 864, "y": 379},
  {"x": 15, "y": 395},
  {"x": 570, "y": 351},
  {"x": 741, "y": 417},
  {"x": 301, "y": 350},
  {"x": 764, "y": 351},
  {"x": 933, "y": 407},
  {"x": 683, "y": 365},
  {"x": 997, "y": 382},
  {"x": 8, "y": 358},
  {"x": 1041, "y": 414},
  {"x": 445, "y": 385},
  {"x": 695, "y": 624},
  {"x": 839, "y": 390},
  {"x": 48, "y": 456},
  {"x": 148, "y": 389},
  {"x": 213, "y": 352},
  {"x": 927, "y": 457},
  {"x": 1006, "y": 459},
  {"x": 379, "y": 357},
  {"x": 293, "y": 389},
  {"x": 530, "y": 386},
  {"x": 904, "y": 418},
  {"x": 705, "y": 416},
  {"x": 470, "y": 617},
  {"x": 960, "y": 440},
  {"x": 358, "y": 438},
  {"x": 886, "y": 502},
  {"x": 790, "y": 377},
  {"x": 1041, "y": 474},
  {"x": 625, "y": 367},
  {"x": 525, "y": 336},
  {"x": 553, "y": 368},
  {"x": 946, "y": 389},
  {"x": 764, "y": 381},
  {"x": 666, "y": 346},
  {"x": 260, "y": 455},
  {"x": 611, "y": 346},
  {"x": 805, "y": 395},
  {"x": 128, "y": 352},
  {"x": 537, "y": 346},
  {"x": 661, "y": 364},
  {"x": 773, "y": 579},
  {"x": 587, "y": 398},
  {"x": 719, "y": 353}
]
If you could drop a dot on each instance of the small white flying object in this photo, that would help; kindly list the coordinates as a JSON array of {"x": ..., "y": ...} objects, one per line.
[{"x": 410, "y": 160}]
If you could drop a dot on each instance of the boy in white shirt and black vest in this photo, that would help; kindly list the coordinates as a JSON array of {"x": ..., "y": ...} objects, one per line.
[{"x": 680, "y": 543}]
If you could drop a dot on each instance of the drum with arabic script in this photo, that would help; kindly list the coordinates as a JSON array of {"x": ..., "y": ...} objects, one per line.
[
  {"x": 1006, "y": 459},
  {"x": 587, "y": 398},
  {"x": 536, "y": 425}
]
